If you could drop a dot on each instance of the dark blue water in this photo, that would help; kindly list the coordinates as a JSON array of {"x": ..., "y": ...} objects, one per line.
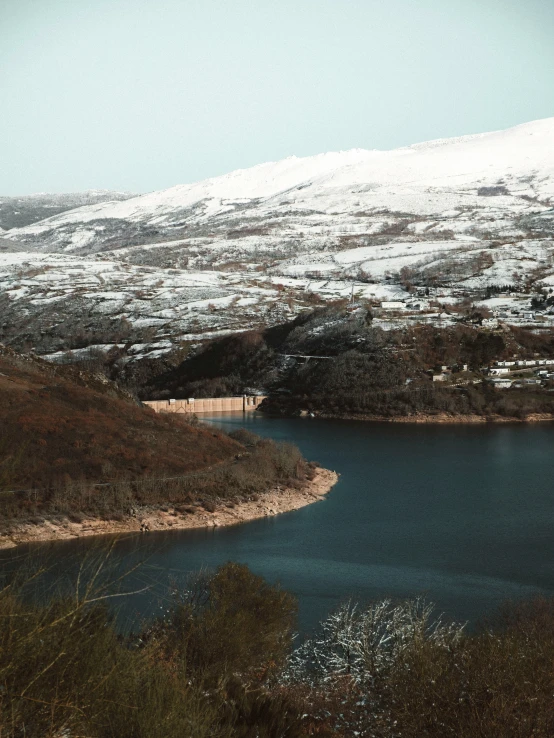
[{"x": 461, "y": 514}]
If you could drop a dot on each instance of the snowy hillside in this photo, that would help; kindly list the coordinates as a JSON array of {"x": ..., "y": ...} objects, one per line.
[
  {"x": 454, "y": 215},
  {"x": 445, "y": 179},
  {"x": 18, "y": 212}
]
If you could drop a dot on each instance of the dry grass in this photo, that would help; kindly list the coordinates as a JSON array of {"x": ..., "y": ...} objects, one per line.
[
  {"x": 263, "y": 466},
  {"x": 73, "y": 428},
  {"x": 65, "y": 671}
]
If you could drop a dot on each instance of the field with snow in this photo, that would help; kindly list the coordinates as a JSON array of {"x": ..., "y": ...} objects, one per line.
[{"x": 444, "y": 219}]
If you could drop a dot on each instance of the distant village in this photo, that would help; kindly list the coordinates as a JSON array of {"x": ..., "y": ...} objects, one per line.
[
  {"x": 488, "y": 312},
  {"x": 516, "y": 373},
  {"x": 436, "y": 306}
]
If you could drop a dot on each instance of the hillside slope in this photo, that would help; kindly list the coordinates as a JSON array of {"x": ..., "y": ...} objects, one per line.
[
  {"x": 79, "y": 457},
  {"x": 59, "y": 425},
  {"x": 334, "y": 362},
  {"x": 428, "y": 179},
  {"x": 18, "y": 212},
  {"x": 257, "y": 246}
]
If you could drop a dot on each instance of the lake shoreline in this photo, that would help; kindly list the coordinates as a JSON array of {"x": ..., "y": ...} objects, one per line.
[
  {"x": 439, "y": 418},
  {"x": 278, "y": 500}
]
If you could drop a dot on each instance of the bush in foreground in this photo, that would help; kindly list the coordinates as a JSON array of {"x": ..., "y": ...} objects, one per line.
[
  {"x": 219, "y": 663},
  {"x": 200, "y": 671},
  {"x": 391, "y": 671}
]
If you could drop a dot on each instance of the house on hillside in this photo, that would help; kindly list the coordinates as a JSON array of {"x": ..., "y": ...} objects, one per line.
[
  {"x": 501, "y": 382},
  {"x": 392, "y": 305},
  {"x": 489, "y": 322}
]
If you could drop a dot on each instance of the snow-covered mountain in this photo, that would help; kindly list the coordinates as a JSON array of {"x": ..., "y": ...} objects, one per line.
[
  {"x": 18, "y": 212},
  {"x": 460, "y": 213},
  {"x": 446, "y": 179}
]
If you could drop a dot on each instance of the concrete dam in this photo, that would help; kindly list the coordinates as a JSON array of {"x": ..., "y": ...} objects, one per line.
[{"x": 243, "y": 404}]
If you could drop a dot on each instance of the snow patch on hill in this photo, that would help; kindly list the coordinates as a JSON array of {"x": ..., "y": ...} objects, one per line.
[{"x": 255, "y": 246}]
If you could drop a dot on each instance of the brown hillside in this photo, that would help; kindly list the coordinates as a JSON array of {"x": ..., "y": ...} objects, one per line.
[{"x": 58, "y": 424}]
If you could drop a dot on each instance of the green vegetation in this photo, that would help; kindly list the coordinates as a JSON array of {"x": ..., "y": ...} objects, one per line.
[{"x": 221, "y": 662}]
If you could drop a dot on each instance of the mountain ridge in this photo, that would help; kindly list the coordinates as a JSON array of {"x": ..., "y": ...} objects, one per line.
[
  {"x": 457, "y": 220},
  {"x": 350, "y": 168}
]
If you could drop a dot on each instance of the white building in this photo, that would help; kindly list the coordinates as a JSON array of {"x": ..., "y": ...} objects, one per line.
[
  {"x": 501, "y": 383},
  {"x": 392, "y": 305},
  {"x": 490, "y": 322}
]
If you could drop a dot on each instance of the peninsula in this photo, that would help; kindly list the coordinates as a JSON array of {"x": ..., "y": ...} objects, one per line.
[{"x": 80, "y": 457}]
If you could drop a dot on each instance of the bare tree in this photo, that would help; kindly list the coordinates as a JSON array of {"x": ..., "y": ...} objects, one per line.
[{"x": 366, "y": 644}]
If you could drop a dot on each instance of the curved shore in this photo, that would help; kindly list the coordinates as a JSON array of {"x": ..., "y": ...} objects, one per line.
[{"x": 279, "y": 500}]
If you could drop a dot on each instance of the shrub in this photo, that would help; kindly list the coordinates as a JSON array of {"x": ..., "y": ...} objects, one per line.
[
  {"x": 267, "y": 464},
  {"x": 227, "y": 623},
  {"x": 390, "y": 670},
  {"x": 496, "y": 683},
  {"x": 245, "y": 437},
  {"x": 217, "y": 664},
  {"x": 199, "y": 672},
  {"x": 65, "y": 671}
]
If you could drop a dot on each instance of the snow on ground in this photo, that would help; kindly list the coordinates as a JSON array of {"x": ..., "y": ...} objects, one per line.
[
  {"x": 443, "y": 178},
  {"x": 256, "y": 246}
]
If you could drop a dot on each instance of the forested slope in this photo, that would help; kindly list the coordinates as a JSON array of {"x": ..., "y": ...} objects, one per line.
[{"x": 356, "y": 369}]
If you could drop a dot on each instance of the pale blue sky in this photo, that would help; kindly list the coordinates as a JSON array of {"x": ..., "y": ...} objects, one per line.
[{"x": 140, "y": 95}]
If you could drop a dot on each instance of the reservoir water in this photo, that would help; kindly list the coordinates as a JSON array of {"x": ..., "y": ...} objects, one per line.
[{"x": 461, "y": 514}]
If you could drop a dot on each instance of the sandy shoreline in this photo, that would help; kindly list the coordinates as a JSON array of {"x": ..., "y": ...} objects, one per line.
[{"x": 279, "y": 500}]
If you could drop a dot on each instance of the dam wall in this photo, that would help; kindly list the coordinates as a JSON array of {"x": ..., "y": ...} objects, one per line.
[{"x": 245, "y": 403}]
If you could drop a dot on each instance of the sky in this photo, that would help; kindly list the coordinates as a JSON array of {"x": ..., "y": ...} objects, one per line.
[{"x": 140, "y": 95}]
